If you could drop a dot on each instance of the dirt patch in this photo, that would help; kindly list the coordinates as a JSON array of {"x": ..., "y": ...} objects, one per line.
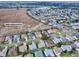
[{"x": 18, "y": 16}]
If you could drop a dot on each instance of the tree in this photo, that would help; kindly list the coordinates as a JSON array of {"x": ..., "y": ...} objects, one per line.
[
  {"x": 71, "y": 51},
  {"x": 60, "y": 43},
  {"x": 65, "y": 51},
  {"x": 29, "y": 43},
  {"x": 44, "y": 37}
]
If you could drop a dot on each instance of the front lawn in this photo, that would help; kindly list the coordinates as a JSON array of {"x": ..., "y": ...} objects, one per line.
[{"x": 65, "y": 54}]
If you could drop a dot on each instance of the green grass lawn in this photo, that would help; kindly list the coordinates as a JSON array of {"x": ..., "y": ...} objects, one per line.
[
  {"x": 60, "y": 43},
  {"x": 65, "y": 54},
  {"x": 4, "y": 43},
  {"x": 1, "y": 49},
  {"x": 76, "y": 52},
  {"x": 68, "y": 54},
  {"x": 22, "y": 39}
]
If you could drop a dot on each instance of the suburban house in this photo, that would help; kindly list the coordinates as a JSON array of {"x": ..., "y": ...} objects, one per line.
[
  {"x": 50, "y": 31},
  {"x": 23, "y": 48},
  {"x": 9, "y": 39},
  {"x": 70, "y": 38},
  {"x": 49, "y": 53},
  {"x": 3, "y": 51},
  {"x": 31, "y": 36},
  {"x": 49, "y": 43},
  {"x": 13, "y": 51},
  {"x": 39, "y": 54},
  {"x": 24, "y": 36},
  {"x": 77, "y": 35},
  {"x": 66, "y": 47},
  {"x": 57, "y": 51},
  {"x": 45, "y": 32},
  {"x": 77, "y": 44},
  {"x": 2, "y": 39},
  {"x": 56, "y": 40},
  {"x": 38, "y": 34},
  {"x": 16, "y": 38},
  {"x": 32, "y": 46},
  {"x": 41, "y": 44}
]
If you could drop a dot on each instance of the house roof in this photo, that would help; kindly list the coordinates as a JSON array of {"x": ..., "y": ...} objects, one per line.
[
  {"x": 77, "y": 44},
  {"x": 50, "y": 31},
  {"x": 77, "y": 49},
  {"x": 49, "y": 52},
  {"x": 38, "y": 34},
  {"x": 70, "y": 38},
  {"x": 57, "y": 51},
  {"x": 2, "y": 39},
  {"x": 32, "y": 46},
  {"x": 49, "y": 43},
  {"x": 56, "y": 40},
  {"x": 41, "y": 44},
  {"x": 8, "y": 38},
  {"x": 66, "y": 47},
  {"x": 23, "y": 36},
  {"x": 45, "y": 32},
  {"x": 23, "y": 48},
  {"x": 39, "y": 54},
  {"x": 4, "y": 51},
  {"x": 30, "y": 34},
  {"x": 77, "y": 35},
  {"x": 12, "y": 51},
  {"x": 16, "y": 36}
]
